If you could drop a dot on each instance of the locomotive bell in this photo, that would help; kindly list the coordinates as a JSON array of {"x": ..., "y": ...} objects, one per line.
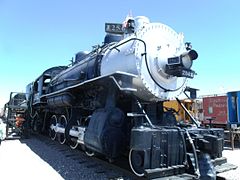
[{"x": 141, "y": 22}]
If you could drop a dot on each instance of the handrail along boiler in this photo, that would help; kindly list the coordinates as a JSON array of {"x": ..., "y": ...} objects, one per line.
[{"x": 110, "y": 101}]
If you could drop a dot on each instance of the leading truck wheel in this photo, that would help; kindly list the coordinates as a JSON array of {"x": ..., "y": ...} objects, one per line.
[
  {"x": 63, "y": 123},
  {"x": 53, "y": 123},
  {"x": 136, "y": 162}
]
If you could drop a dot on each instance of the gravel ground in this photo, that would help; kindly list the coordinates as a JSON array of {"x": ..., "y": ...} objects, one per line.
[
  {"x": 14, "y": 164},
  {"x": 36, "y": 158},
  {"x": 33, "y": 159},
  {"x": 233, "y": 157},
  {"x": 28, "y": 159},
  {"x": 41, "y": 158}
]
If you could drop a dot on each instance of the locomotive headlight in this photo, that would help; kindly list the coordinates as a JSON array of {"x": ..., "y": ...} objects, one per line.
[
  {"x": 180, "y": 66},
  {"x": 187, "y": 58}
]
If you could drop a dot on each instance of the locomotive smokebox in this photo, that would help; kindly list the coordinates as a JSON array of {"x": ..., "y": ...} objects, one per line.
[{"x": 157, "y": 55}]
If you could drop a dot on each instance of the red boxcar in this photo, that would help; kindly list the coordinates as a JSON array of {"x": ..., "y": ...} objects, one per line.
[{"x": 215, "y": 107}]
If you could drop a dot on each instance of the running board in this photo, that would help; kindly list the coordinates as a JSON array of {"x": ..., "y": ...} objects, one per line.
[{"x": 163, "y": 172}]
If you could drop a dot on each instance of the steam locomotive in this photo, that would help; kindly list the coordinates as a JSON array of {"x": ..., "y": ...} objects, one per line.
[{"x": 110, "y": 101}]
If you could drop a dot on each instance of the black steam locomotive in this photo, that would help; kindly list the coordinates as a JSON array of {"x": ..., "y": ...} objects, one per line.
[{"x": 110, "y": 101}]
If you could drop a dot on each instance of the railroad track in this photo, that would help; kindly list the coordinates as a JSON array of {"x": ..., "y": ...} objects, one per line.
[{"x": 75, "y": 164}]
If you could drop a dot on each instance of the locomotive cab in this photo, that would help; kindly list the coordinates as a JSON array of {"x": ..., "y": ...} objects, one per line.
[{"x": 40, "y": 87}]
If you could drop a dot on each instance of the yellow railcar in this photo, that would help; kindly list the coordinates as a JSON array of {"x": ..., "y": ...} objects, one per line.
[{"x": 193, "y": 106}]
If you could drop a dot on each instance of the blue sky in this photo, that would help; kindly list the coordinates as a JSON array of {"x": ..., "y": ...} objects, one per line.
[{"x": 36, "y": 35}]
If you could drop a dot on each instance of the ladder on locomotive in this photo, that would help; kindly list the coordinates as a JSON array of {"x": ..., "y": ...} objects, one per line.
[{"x": 16, "y": 105}]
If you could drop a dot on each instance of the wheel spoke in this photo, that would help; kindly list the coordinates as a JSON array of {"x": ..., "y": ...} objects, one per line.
[
  {"x": 63, "y": 124},
  {"x": 53, "y": 122},
  {"x": 73, "y": 143}
]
